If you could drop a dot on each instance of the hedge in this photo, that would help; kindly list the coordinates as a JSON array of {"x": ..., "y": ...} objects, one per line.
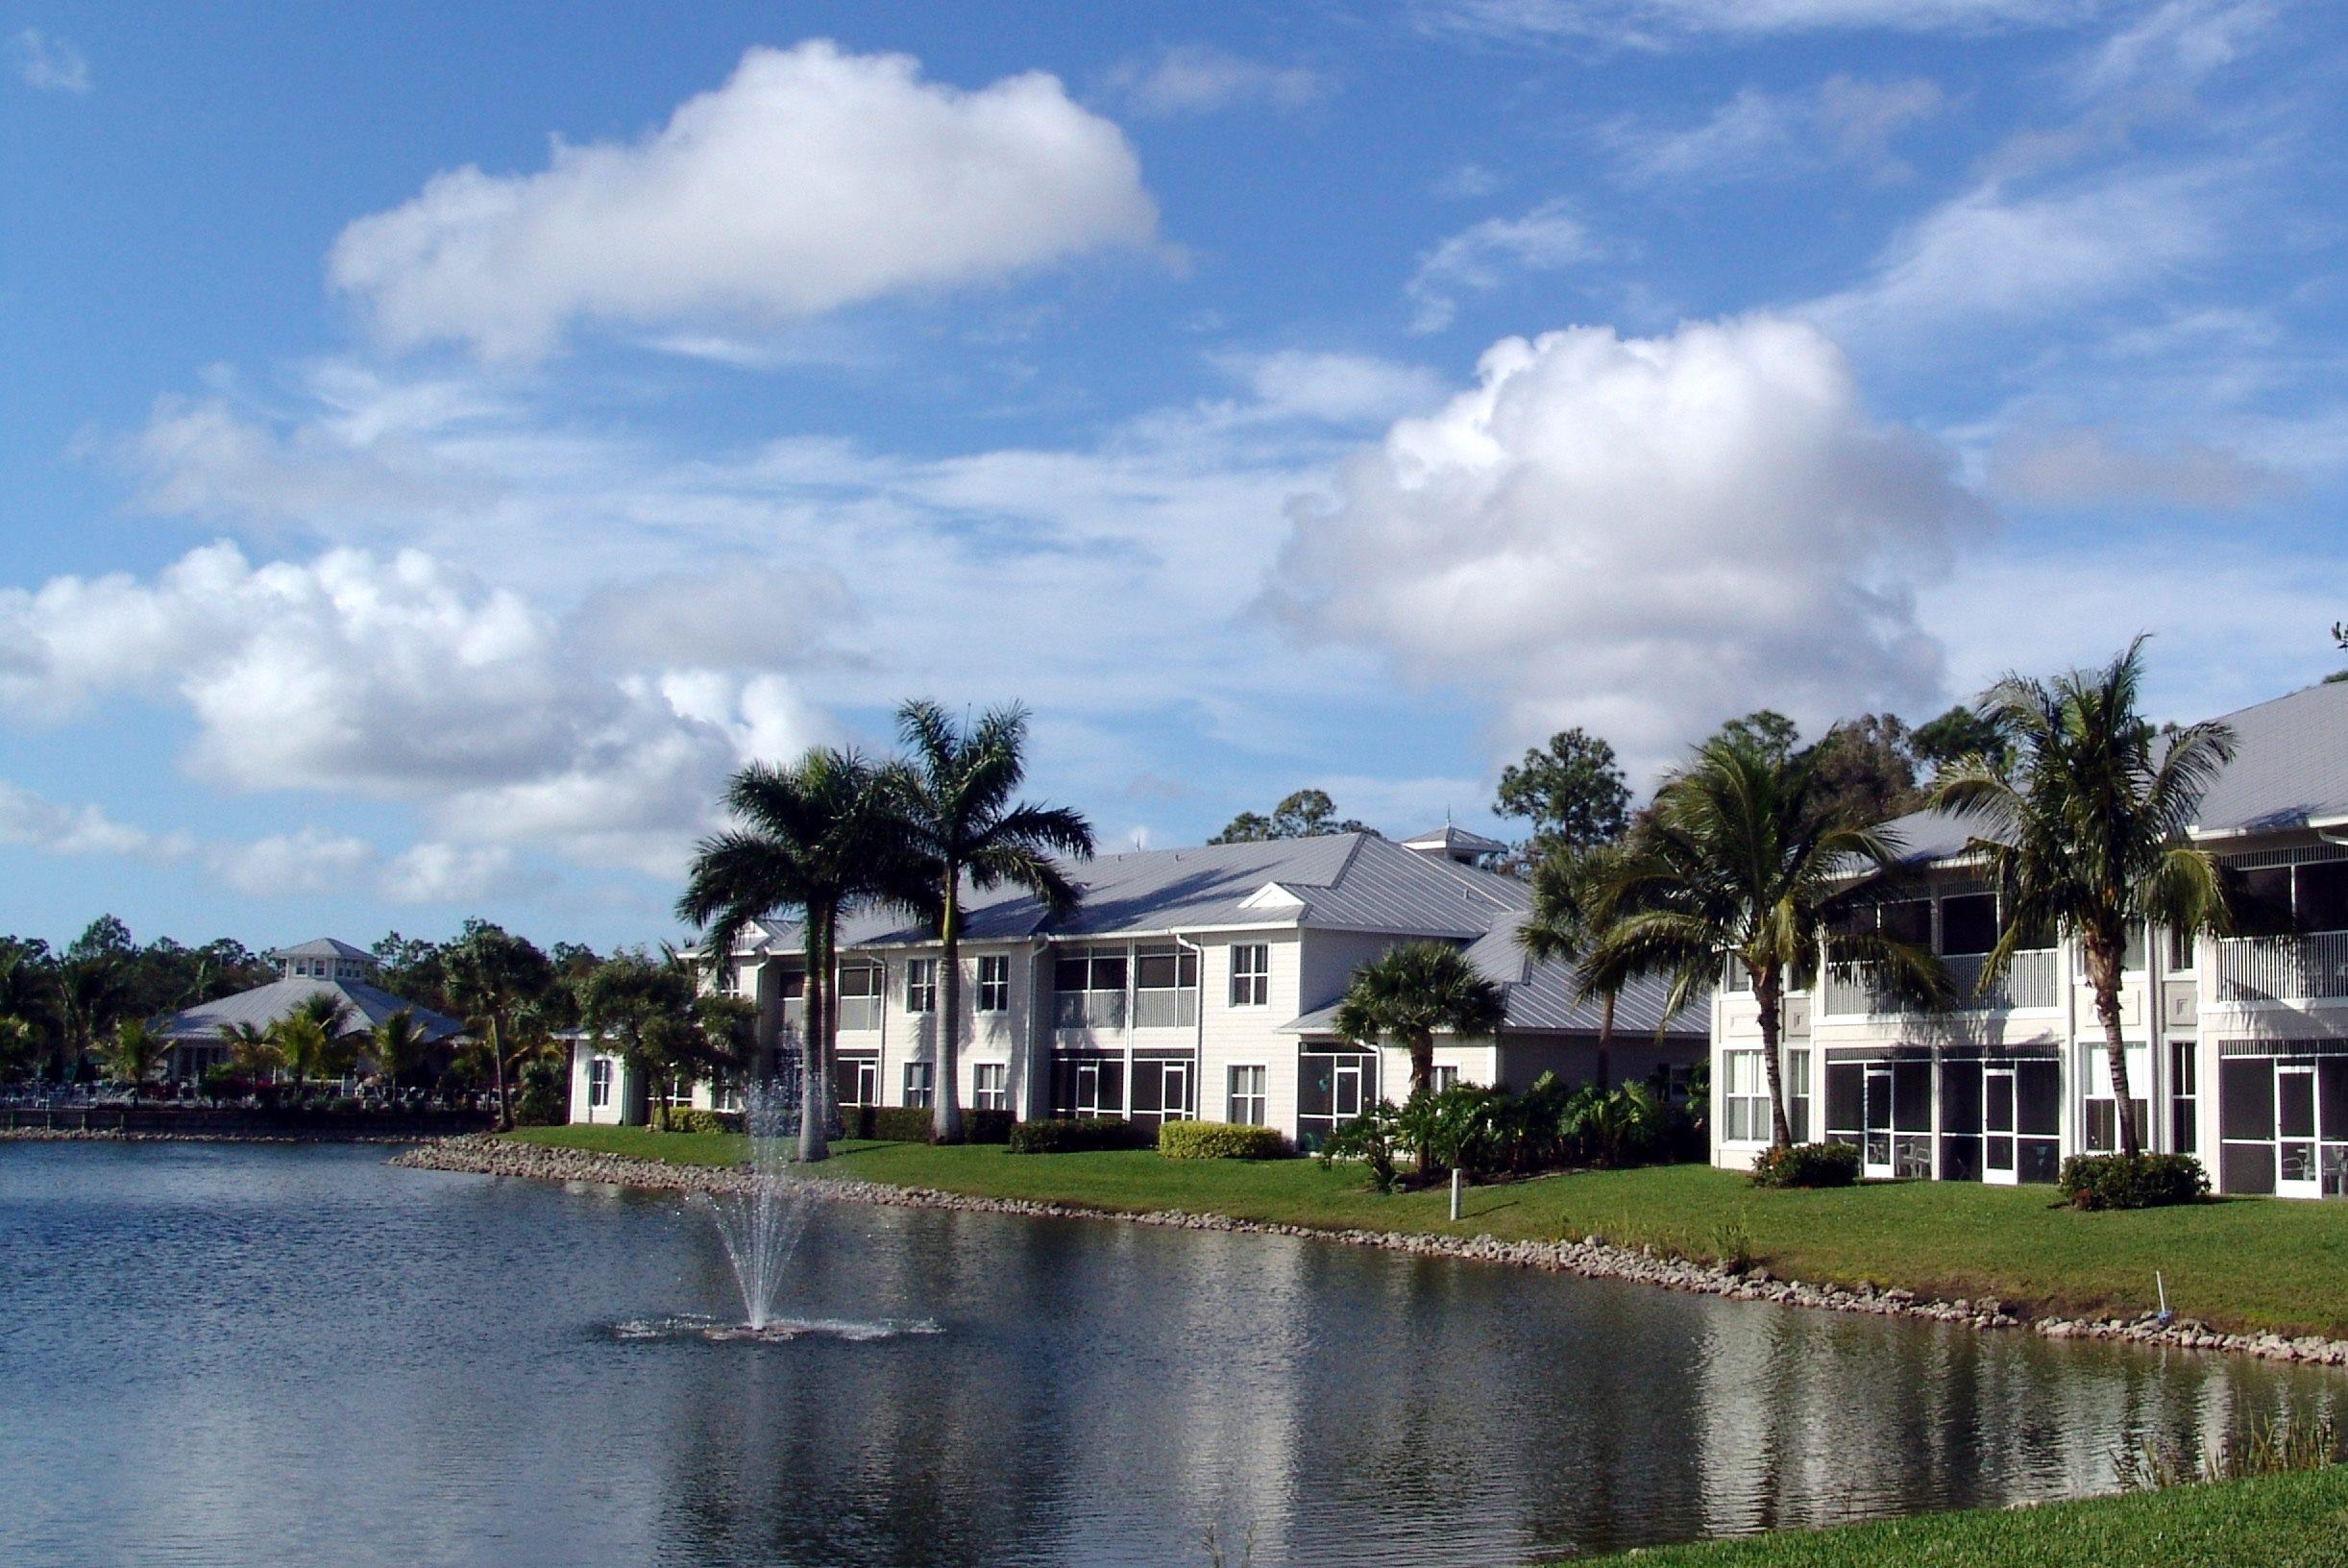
[
  {"x": 1066, "y": 1136},
  {"x": 1807, "y": 1164},
  {"x": 2148, "y": 1181},
  {"x": 1219, "y": 1140},
  {"x": 686, "y": 1118}
]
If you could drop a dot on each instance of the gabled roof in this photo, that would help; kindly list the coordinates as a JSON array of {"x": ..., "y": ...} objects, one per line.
[
  {"x": 2290, "y": 771},
  {"x": 1339, "y": 881},
  {"x": 265, "y": 1005},
  {"x": 325, "y": 947}
]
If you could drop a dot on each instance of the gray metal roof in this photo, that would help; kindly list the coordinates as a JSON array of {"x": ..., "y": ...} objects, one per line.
[
  {"x": 1454, "y": 840},
  {"x": 265, "y": 1005},
  {"x": 2289, "y": 770},
  {"x": 325, "y": 947}
]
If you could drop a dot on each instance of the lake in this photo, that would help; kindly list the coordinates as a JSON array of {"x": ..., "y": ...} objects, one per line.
[{"x": 230, "y": 1353}]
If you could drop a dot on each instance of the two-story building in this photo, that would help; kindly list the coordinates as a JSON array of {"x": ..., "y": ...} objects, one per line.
[
  {"x": 2237, "y": 1045},
  {"x": 1189, "y": 983}
]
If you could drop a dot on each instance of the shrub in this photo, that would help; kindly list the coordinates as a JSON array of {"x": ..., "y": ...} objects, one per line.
[
  {"x": 1372, "y": 1138},
  {"x": 2148, "y": 1181},
  {"x": 686, "y": 1118},
  {"x": 987, "y": 1126},
  {"x": 1808, "y": 1164},
  {"x": 542, "y": 1102},
  {"x": 899, "y": 1123},
  {"x": 1219, "y": 1140},
  {"x": 1077, "y": 1135}
]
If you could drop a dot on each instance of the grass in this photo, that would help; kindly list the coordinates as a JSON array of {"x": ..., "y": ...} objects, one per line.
[
  {"x": 2244, "y": 1264},
  {"x": 2291, "y": 1521}
]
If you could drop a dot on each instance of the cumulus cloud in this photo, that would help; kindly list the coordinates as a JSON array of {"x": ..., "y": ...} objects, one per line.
[
  {"x": 1760, "y": 134},
  {"x": 1486, "y": 255},
  {"x": 50, "y": 64},
  {"x": 1655, "y": 24},
  {"x": 298, "y": 864},
  {"x": 1200, "y": 78},
  {"x": 812, "y": 179},
  {"x": 400, "y": 677},
  {"x": 32, "y": 822},
  {"x": 455, "y": 873},
  {"x": 1641, "y": 537}
]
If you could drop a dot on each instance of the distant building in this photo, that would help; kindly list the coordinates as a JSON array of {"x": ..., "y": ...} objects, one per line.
[
  {"x": 1193, "y": 983},
  {"x": 2237, "y": 1045},
  {"x": 310, "y": 969}
]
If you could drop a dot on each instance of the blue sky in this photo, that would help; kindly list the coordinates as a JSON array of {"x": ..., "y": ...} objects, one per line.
[{"x": 439, "y": 448}]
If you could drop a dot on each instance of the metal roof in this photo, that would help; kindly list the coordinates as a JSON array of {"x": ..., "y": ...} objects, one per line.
[
  {"x": 325, "y": 947},
  {"x": 1454, "y": 840},
  {"x": 265, "y": 1005},
  {"x": 2290, "y": 771}
]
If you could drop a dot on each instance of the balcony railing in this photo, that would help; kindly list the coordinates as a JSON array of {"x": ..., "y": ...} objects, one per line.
[
  {"x": 1165, "y": 1009},
  {"x": 859, "y": 1013},
  {"x": 1095, "y": 1010},
  {"x": 2034, "y": 979},
  {"x": 2283, "y": 968}
]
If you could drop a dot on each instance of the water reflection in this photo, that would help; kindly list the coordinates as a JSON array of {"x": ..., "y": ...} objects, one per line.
[{"x": 238, "y": 1355}]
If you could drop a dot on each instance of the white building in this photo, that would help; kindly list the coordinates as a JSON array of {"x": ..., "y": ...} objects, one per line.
[
  {"x": 307, "y": 971},
  {"x": 2237, "y": 1045},
  {"x": 1191, "y": 983}
]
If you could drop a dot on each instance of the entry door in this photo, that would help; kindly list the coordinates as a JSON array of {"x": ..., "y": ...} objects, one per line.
[
  {"x": 1875, "y": 1145},
  {"x": 1175, "y": 1096},
  {"x": 1345, "y": 1091},
  {"x": 2296, "y": 1174},
  {"x": 1998, "y": 1126}
]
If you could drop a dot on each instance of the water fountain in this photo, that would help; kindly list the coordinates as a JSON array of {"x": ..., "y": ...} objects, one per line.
[{"x": 761, "y": 1224}]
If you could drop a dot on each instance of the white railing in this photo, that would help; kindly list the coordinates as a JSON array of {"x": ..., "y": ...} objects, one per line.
[
  {"x": 1156, "y": 1009},
  {"x": 2034, "y": 979},
  {"x": 2283, "y": 968},
  {"x": 1088, "y": 1010}
]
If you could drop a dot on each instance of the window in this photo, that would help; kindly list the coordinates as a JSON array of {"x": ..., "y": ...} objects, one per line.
[
  {"x": 1090, "y": 988},
  {"x": 917, "y": 1084},
  {"x": 920, "y": 987},
  {"x": 1796, "y": 1095},
  {"x": 860, "y": 990},
  {"x": 1247, "y": 1097},
  {"x": 599, "y": 1082},
  {"x": 994, "y": 984},
  {"x": 1443, "y": 1078},
  {"x": 2184, "y": 1095},
  {"x": 1968, "y": 923},
  {"x": 1251, "y": 975},
  {"x": 990, "y": 1085},
  {"x": 2180, "y": 959},
  {"x": 1165, "y": 987},
  {"x": 2100, "y": 1122},
  {"x": 1744, "y": 1098}
]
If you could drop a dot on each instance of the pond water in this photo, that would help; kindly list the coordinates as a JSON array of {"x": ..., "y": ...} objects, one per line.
[{"x": 222, "y": 1354}]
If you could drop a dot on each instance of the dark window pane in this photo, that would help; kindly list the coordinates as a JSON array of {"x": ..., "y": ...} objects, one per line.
[
  {"x": 1845, "y": 1083},
  {"x": 2246, "y": 1101},
  {"x": 1911, "y": 1096},
  {"x": 2038, "y": 1158},
  {"x": 1960, "y": 1158},
  {"x": 1969, "y": 924},
  {"x": 2038, "y": 1099},
  {"x": 2323, "y": 896},
  {"x": 1910, "y": 920},
  {"x": 2295, "y": 1104},
  {"x": 1155, "y": 971},
  {"x": 1109, "y": 972},
  {"x": 2260, "y": 900},
  {"x": 2247, "y": 1168},
  {"x": 1070, "y": 974},
  {"x": 1961, "y": 1097},
  {"x": 2332, "y": 1090}
]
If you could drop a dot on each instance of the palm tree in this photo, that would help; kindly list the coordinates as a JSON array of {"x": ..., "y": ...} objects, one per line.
[
  {"x": 2087, "y": 833},
  {"x": 1409, "y": 993},
  {"x": 252, "y": 1053},
  {"x": 135, "y": 1052},
  {"x": 90, "y": 997},
  {"x": 955, "y": 801},
  {"x": 301, "y": 1042},
  {"x": 492, "y": 976},
  {"x": 1745, "y": 855},
  {"x": 396, "y": 1045},
  {"x": 1569, "y": 888},
  {"x": 19, "y": 1047},
  {"x": 818, "y": 836}
]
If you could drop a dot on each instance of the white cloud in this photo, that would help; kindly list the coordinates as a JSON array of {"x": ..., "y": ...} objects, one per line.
[
  {"x": 2177, "y": 43},
  {"x": 1994, "y": 257},
  {"x": 1336, "y": 388},
  {"x": 1465, "y": 182},
  {"x": 1761, "y": 134},
  {"x": 1199, "y": 78},
  {"x": 453, "y": 873},
  {"x": 812, "y": 180},
  {"x": 1641, "y": 537},
  {"x": 402, "y": 679},
  {"x": 2092, "y": 468},
  {"x": 1486, "y": 255},
  {"x": 289, "y": 864},
  {"x": 1658, "y": 23},
  {"x": 29, "y": 820},
  {"x": 51, "y": 64}
]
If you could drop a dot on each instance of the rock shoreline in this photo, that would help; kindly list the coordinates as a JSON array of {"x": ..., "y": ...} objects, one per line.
[{"x": 1591, "y": 1258}]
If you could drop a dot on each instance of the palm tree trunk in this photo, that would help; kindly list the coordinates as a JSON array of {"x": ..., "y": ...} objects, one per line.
[
  {"x": 1605, "y": 1041},
  {"x": 815, "y": 1112},
  {"x": 2103, "y": 976},
  {"x": 945, "y": 1126},
  {"x": 1423, "y": 1081},
  {"x": 497, "y": 1069},
  {"x": 1766, "y": 991}
]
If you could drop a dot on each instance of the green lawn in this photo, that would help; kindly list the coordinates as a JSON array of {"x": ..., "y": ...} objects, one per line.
[
  {"x": 2295, "y": 1521},
  {"x": 2244, "y": 1264}
]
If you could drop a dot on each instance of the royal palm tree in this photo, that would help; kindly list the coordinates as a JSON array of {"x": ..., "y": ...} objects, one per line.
[
  {"x": 955, "y": 801},
  {"x": 133, "y": 1053},
  {"x": 493, "y": 975},
  {"x": 1569, "y": 888},
  {"x": 1409, "y": 993},
  {"x": 819, "y": 837},
  {"x": 253, "y": 1054},
  {"x": 2086, "y": 833},
  {"x": 1744, "y": 855}
]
